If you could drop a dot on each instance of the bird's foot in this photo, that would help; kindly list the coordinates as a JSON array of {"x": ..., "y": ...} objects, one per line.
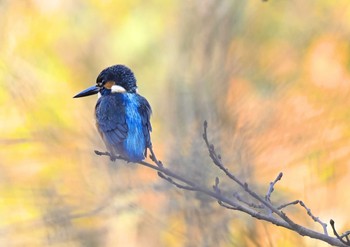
[
  {"x": 101, "y": 153},
  {"x": 112, "y": 157}
]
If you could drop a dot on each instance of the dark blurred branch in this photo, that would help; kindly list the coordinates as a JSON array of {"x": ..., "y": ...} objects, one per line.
[
  {"x": 274, "y": 214},
  {"x": 341, "y": 237}
]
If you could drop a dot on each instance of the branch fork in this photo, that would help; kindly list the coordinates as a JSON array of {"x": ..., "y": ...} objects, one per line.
[{"x": 275, "y": 215}]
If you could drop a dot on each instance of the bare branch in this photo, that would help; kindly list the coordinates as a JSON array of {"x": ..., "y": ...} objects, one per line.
[
  {"x": 227, "y": 206},
  {"x": 271, "y": 188},
  {"x": 217, "y": 161},
  {"x": 275, "y": 215},
  {"x": 316, "y": 219},
  {"x": 252, "y": 205},
  {"x": 170, "y": 180},
  {"x": 341, "y": 238},
  {"x": 288, "y": 204},
  {"x": 308, "y": 210}
]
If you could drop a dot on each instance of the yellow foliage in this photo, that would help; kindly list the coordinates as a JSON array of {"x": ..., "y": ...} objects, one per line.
[{"x": 272, "y": 76}]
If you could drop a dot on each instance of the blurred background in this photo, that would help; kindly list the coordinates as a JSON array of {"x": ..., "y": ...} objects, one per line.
[{"x": 272, "y": 79}]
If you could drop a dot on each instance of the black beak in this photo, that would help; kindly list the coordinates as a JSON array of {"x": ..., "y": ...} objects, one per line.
[{"x": 89, "y": 91}]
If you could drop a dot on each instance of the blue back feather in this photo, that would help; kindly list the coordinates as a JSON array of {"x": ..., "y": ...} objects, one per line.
[
  {"x": 123, "y": 119},
  {"x": 135, "y": 141}
]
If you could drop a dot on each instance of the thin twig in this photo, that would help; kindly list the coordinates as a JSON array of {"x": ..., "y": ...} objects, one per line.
[
  {"x": 252, "y": 205},
  {"x": 217, "y": 162},
  {"x": 288, "y": 204},
  {"x": 296, "y": 227},
  {"x": 308, "y": 210},
  {"x": 153, "y": 157},
  {"x": 271, "y": 187},
  {"x": 347, "y": 242},
  {"x": 316, "y": 219},
  {"x": 170, "y": 180},
  {"x": 218, "y": 190},
  {"x": 345, "y": 235},
  {"x": 227, "y": 206}
]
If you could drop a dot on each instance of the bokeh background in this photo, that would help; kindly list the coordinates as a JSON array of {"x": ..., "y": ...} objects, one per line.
[{"x": 271, "y": 77}]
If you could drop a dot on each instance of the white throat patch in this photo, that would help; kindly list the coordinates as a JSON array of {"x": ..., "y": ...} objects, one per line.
[{"x": 117, "y": 89}]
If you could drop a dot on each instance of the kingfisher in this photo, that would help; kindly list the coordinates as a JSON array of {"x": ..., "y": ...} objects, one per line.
[{"x": 122, "y": 115}]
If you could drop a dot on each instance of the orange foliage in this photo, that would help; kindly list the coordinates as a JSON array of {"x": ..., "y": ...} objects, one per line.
[{"x": 281, "y": 82}]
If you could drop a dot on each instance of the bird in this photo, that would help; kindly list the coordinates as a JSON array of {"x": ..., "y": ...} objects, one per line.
[{"x": 122, "y": 115}]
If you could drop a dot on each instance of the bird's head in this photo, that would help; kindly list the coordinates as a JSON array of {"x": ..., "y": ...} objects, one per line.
[{"x": 114, "y": 79}]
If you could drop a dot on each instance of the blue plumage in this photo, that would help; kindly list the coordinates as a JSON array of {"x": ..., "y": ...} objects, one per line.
[
  {"x": 135, "y": 142},
  {"x": 123, "y": 122},
  {"x": 122, "y": 116}
]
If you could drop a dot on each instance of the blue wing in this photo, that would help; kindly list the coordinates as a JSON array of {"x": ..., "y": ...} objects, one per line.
[
  {"x": 145, "y": 113},
  {"x": 111, "y": 121}
]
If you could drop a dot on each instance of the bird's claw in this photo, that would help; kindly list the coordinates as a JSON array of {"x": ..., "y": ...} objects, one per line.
[{"x": 112, "y": 157}]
